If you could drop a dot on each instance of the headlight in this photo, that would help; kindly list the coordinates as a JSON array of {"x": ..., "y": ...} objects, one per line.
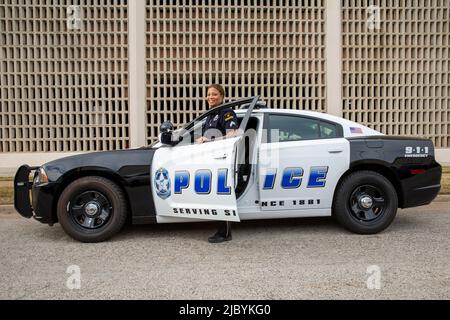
[{"x": 40, "y": 177}]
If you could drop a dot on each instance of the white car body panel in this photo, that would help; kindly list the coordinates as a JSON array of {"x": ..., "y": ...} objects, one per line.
[
  {"x": 212, "y": 204},
  {"x": 306, "y": 154},
  {"x": 330, "y": 157}
]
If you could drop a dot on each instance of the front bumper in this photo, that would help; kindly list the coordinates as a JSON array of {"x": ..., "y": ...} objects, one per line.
[{"x": 37, "y": 204}]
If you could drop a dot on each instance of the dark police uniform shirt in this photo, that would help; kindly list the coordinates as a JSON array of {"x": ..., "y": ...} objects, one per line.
[{"x": 222, "y": 121}]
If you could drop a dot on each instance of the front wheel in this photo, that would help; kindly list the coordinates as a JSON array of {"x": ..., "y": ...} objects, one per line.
[
  {"x": 365, "y": 202},
  {"x": 92, "y": 209}
]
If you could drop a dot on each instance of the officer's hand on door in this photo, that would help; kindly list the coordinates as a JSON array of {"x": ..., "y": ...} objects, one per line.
[{"x": 201, "y": 140}]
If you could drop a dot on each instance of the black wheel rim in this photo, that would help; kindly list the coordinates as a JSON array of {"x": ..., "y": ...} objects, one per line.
[
  {"x": 367, "y": 203},
  {"x": 90, "y": 209}
]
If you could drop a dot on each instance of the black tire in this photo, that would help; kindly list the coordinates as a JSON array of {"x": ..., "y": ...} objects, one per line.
[
  {"x": 352, "y": 199},
  {"x": 92, "y": 209}
]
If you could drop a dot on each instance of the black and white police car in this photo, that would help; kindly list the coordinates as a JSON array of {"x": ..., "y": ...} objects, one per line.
[{"x": 281, "y": 164}]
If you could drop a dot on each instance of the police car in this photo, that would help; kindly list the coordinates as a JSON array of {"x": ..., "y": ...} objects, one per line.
[{"x": 279, "y": 164}]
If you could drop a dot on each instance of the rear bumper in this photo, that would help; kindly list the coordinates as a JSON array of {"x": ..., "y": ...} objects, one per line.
[
  {"x": 423, "y": 188},
  {"x": 39, "y": 202}
]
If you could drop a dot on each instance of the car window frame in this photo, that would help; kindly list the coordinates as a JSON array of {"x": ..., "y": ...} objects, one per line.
[
  {"x": 251, "y": 102},
  {"x": 240, "y": 116},
  {"x": 230, "y": 104},
  {"x": 266, "y": 125}
]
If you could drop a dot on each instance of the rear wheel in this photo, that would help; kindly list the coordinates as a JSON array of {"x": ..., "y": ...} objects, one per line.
[
  {"x": 92, "y": 209},
  {"x": 365, "y": 202}
]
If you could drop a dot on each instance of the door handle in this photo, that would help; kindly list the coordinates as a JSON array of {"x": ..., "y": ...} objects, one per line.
[
  {"x": 335, "y": 150},
  {"x": 224, "y": 156}
]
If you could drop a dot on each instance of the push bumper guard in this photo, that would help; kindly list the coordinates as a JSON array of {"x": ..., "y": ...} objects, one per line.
[{"x": 22, "y": 186}]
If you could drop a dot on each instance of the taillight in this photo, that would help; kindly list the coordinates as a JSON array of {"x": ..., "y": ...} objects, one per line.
[{"x": 417, "y": 171}]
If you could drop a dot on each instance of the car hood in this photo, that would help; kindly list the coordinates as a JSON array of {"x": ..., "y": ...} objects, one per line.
[{"x": 111, "y": 161}]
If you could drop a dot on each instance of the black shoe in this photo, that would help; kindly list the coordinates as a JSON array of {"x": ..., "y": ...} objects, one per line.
[{"x": 217, "y": 238}]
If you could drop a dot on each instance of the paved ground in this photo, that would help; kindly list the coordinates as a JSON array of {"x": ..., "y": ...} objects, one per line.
[{"x": 284, "y": 259}]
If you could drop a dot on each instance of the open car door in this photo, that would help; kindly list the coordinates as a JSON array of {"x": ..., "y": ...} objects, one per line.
[{"x": 197, "y": 181}]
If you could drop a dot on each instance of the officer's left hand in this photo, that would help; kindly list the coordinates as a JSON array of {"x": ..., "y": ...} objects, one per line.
[{"x": 201, "y": 140}]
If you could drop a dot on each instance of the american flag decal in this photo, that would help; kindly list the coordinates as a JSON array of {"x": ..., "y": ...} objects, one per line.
[{"x": 355, "y": 130}]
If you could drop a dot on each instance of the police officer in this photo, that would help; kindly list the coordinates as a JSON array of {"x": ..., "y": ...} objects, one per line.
[{"x": 222, "y": 123}]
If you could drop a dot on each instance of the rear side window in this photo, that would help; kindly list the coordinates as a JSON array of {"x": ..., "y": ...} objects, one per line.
[
  {"x": 295, "y": 128},
  {"x": 328, "y": 130}
]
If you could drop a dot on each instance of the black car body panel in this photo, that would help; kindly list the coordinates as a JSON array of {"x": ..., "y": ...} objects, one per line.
[
  {"x": 130, "y": 169},
  {"x": 418, "y": 174}
]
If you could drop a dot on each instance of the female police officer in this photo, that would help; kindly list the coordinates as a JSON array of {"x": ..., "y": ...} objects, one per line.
[{"x": 221, "y": 123}]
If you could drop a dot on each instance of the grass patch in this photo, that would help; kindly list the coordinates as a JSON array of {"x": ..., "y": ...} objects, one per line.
[
  {"x": 445, "y": 181},
  {"x": 6, "y": 195}
]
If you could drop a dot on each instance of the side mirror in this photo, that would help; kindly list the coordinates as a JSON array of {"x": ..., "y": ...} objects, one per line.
[
  {"x": 166, "y": 126},
  {"x": 166, "y": 130}
]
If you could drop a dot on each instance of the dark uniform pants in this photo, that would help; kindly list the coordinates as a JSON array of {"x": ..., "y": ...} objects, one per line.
[{"x": 224, "y": 228}]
